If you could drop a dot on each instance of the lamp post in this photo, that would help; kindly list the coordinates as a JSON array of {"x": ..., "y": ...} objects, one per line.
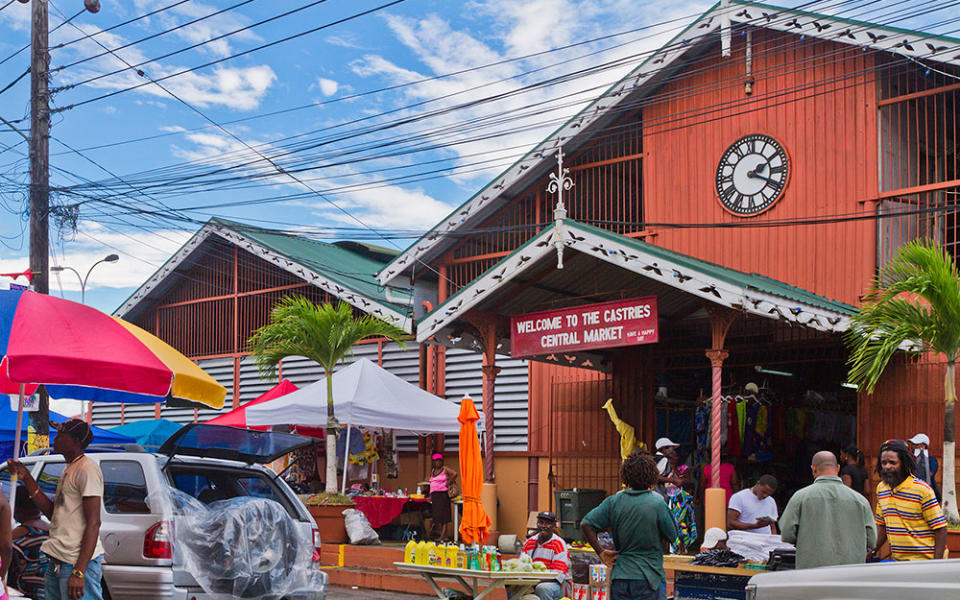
[{"x": 110, "y": 258}]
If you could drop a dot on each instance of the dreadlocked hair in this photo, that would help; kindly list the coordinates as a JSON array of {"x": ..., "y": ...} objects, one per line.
[
  {"x": 639, "y": 472},
  {"x": 908, "y": 465}
]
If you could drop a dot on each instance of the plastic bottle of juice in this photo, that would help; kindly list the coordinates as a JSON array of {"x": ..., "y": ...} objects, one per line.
[
  {"x": 410, "y": 552},
  {"x": 421, "y": 554}
]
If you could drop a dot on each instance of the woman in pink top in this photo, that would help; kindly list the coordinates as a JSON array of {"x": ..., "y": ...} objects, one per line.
[
  {"x": 728, "y": 478},
  {"x": 443, "y": 486}
]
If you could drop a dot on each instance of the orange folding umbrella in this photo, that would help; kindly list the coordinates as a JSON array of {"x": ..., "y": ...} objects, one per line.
[{"x": 475, "y": 524}]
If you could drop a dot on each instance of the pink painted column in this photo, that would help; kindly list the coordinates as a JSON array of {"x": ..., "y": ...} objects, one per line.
[{"x": 716, "y": 356}]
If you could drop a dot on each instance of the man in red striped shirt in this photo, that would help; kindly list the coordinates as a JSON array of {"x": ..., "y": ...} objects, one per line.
[{"x": 549, "y": 549}]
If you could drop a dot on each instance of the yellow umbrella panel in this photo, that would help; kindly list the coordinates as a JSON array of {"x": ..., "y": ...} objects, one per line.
[{"x": 190, "y": 382}]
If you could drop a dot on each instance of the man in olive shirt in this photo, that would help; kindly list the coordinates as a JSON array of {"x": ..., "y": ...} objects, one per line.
[
  {"x": 640, "y": 524},
  {"x": 830, "y": 523}
]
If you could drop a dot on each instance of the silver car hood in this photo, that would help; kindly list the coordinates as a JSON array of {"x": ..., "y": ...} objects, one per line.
[{"x": 938, "y": 579}]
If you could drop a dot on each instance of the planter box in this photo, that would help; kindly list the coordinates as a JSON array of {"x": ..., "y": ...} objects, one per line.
[
  {"x": 329, "y": 520},
  {"x": 953, "y": 543}
]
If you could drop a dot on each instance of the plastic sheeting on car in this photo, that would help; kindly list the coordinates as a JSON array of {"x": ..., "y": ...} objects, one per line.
[{"x": 245, "y": 547}]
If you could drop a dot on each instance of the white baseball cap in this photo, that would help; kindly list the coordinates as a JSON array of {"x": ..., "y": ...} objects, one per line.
[
  {"x": 920, "y": 438},
  {"x": 711, "y": 537},
  {"x": 664, "y": 443}
]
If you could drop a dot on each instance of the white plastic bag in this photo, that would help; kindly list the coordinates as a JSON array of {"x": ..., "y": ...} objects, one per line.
[{"x": 358, "y": 528}]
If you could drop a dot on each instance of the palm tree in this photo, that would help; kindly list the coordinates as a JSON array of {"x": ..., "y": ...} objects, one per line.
[
  {"x": 323, "y": 333},
  {"x": 914, "y": 304}
]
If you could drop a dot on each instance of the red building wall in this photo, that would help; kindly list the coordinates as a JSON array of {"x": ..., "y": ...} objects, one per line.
[{"x": 819, "y": 100}]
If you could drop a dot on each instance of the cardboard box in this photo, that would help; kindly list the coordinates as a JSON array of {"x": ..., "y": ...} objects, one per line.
[
  {"x": 599, "y": 592},
  {"x": 598, "y": 575},
  {"x": 579, "y": 591}
]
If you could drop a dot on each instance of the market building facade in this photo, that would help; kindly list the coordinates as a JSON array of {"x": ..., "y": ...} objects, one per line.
[
  {"x": 751, "y": 177},
  {"x": 212, "y": 293}
]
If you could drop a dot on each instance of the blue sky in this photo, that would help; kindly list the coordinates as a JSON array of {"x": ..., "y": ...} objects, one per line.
[{"x": 334, "y": 72}]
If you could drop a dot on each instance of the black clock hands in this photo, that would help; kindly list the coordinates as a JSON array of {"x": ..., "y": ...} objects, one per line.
[{"x": 755, "y": 174}]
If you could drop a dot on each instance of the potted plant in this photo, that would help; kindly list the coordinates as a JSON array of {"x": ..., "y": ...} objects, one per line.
[
  {"x": 953, "y": 540},
  {"x": 327, "y": 510}
]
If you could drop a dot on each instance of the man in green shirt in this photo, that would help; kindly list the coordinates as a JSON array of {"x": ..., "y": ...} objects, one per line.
[
  {"x": 830, "y": 523},
  {"x": 640, "y": 524}
]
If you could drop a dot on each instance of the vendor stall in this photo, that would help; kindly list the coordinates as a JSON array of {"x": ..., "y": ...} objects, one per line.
[
  {"x": 381, "y": 510},
  {"x": 478, "y": 584},
  {"x": 700, "y": 582}
]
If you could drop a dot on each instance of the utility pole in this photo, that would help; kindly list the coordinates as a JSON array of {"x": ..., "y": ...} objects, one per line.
[{"x": 40, "y": 180}]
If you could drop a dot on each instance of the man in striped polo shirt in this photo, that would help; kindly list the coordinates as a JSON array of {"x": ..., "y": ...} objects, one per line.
[
  {"x": 549, "y": 549},
  {"x": 907, "y": 512}
]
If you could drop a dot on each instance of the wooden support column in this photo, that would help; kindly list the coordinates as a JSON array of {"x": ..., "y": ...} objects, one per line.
[
  {"x": 533, "y": 483},
  {"x": 715, "y": 497},
  {"x": 490, "y": 371}
]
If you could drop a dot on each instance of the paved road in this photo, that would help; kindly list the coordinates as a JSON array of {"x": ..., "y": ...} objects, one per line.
[{"x": 344, "y": 593}]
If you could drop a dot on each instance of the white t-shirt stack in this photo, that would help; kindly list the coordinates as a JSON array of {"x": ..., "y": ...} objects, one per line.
[{"x": 752, "y": 508}]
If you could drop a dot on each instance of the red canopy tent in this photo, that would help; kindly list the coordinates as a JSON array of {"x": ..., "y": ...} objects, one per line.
[{"x": 238, "y": 416}]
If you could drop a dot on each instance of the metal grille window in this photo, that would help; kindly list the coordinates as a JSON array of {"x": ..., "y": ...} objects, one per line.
[{"x": 920, "y": 166}]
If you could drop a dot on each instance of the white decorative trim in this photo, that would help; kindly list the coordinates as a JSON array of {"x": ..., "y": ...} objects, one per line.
[
  {"x": 352, "y": 297},
  {"x": 681, "y": 277},
  {"x": 175, "y": 260},
  {"x": 867, "y": 35}
]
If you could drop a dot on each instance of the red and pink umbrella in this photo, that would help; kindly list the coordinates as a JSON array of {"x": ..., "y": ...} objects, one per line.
[{"x": 238, "y": 416}]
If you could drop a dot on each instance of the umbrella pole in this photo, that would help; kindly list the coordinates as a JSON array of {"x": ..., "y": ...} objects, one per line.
[
  {"x": 346, "y": 460},
  {"x": 16, "y": 446}
]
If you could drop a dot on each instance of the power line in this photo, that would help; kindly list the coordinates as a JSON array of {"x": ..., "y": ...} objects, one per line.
[
  {"x": 150, "y": 37},
  {"x": 378, "y": 127},
  {"x": 232, "y": 56},
  {"x": 279, "y": 169},
  {"x": 422, "y": 80}
]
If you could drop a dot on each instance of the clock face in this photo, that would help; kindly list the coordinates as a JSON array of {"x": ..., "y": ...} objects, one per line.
[{"x": 752, "y": 174}]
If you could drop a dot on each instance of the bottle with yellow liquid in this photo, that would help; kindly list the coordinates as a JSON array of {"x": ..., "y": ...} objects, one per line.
[
  {"x": 421, "y": 553},
  {"x": 410, "y": 552},
  {"x": 450, "y": 556},
  {"x": 432, "y": 556}
]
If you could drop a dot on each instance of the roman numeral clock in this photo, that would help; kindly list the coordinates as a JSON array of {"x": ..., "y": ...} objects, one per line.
[{"x": 751, "y": 175}]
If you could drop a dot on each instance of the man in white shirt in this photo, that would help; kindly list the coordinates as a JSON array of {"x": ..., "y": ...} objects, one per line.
[{"x": 754, "y": 510}]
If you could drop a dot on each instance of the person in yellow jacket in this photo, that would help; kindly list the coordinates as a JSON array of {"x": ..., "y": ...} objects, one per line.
[{"x": 628, "y": 435}]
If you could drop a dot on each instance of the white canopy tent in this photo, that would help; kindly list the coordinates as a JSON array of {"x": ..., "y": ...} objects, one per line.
[{"x": 364, "y": 394}]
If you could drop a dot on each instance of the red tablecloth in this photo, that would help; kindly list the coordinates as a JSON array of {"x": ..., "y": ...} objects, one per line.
[{"x": 382, "y": 510}]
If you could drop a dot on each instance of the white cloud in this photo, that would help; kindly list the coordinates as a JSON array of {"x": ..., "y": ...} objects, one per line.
[
  {"x": 140, "y": 255},
  {"x": 328, "y": 87},
  {"x": 520, "y": 28},
  {"x": 204, "y": 30},
  {"x": 239, "y": 88},
  {"x": 388, "y": 207}
]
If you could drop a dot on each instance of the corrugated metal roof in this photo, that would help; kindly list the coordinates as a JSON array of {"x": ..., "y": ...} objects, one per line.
[
  {"x": 625, "y": 266},
  {"x": 346, "y": 271},
  {"x": 353, "y": 269}
]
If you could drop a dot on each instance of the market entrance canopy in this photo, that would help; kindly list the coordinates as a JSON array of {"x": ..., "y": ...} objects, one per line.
[
  {"x": 682, "y": 284},
  {"x": 365, "y": 395}
]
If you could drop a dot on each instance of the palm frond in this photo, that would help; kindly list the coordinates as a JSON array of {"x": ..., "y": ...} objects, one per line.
[
  {"x": 915, "y": 299},
  {"x": 323, "y": 333}
]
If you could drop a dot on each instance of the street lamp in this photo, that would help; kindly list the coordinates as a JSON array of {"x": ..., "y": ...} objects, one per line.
[{"x": 110, "y": 258}]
